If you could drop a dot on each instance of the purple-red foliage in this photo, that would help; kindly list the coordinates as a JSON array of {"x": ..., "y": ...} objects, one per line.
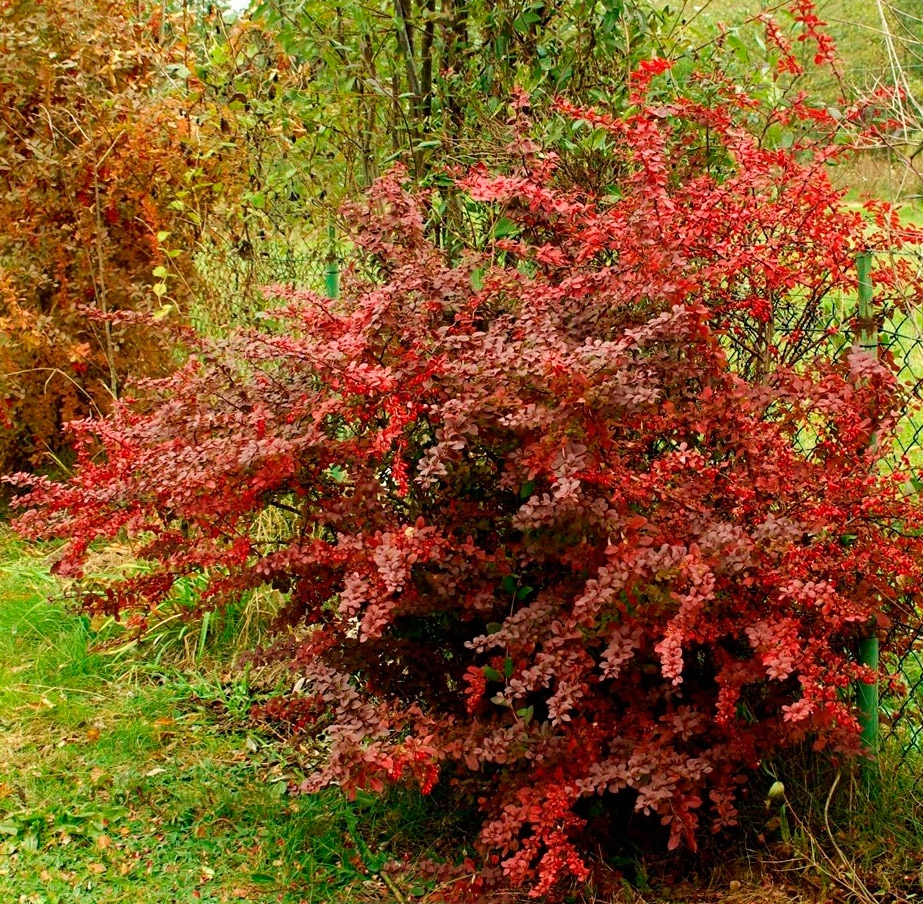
[{"x": 549, "y": 542}]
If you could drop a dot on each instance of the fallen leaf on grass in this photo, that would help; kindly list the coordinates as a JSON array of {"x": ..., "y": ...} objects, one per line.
[{"x": 96, "y": 868}]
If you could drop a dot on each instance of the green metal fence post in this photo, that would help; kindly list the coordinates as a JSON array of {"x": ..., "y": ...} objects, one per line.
[
  {"x": 332, "y": 273},
  {"x": 867, "y": 694}
]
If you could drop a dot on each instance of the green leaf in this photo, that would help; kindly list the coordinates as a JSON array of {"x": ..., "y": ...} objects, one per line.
[
  {"x": 161, "y": 272},
  {"x": 523, "y": 592},
  {"x": 492, "y": 674},
  {"x": 279, "y": 789},
  {"x": 508, "y": 668},
  {"x": 509, "y": 583},
  {"x": 477, "y": 279},
  {"x": 219, "y": 54},
  {"x": 740, "y": 49},
  {"x": 523, "y": 23},
  {"x": 178, "y": 70},
  {"x": 526, "y": 714},
  {"x": 599, "y": 140},
  {"x": 504, "y": 228}
]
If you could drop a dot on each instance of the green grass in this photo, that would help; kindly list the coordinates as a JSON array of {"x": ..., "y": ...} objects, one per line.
[{"x": 125, "y": 782}]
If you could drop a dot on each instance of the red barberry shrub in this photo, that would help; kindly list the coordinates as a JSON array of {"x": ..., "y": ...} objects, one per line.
[{"x": 567, "y": 519}]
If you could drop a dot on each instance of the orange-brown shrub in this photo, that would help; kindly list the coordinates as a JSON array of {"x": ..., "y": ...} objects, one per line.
[{"x": 99, "y": 179}]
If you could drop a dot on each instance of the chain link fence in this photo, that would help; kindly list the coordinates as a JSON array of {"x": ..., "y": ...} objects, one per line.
[
  {"x": 900, "y": 340},
  {"x": 233, "y": 280},
  {"x": 801, "y": 328},
  {"x": 896, "y": 336}
]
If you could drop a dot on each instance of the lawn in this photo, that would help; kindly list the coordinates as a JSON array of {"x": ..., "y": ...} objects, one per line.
[{"x": 125, "y": 782}]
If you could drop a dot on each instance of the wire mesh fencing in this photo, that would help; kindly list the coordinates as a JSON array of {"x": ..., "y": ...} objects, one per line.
[
  {"x": 896, "y": 337},
  {"x": 234, "y": 281},
  {"x": 900, "y": 342}
]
